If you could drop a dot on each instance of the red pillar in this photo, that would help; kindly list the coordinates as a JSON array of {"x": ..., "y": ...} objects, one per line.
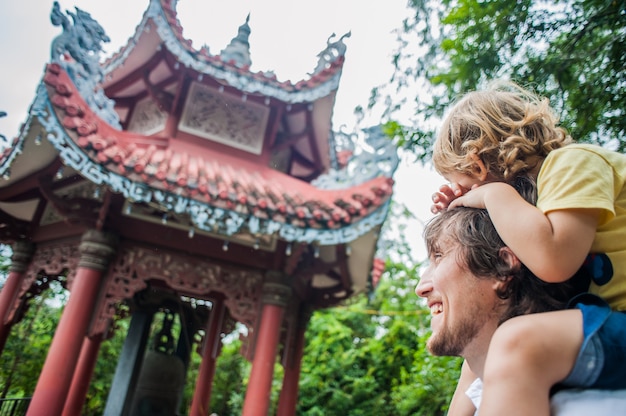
[
  {"x": 210, "y": 352},
  {"x": 288, "y": 399},
  {"x": 54, "y": 381},
  {"x": 275, "y": 298},
  {"x": 22, "y": 255},
  {"x": 82, "y": 377}
]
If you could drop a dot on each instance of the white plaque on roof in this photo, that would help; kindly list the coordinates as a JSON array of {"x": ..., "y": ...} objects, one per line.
[{"x": 224, "y": 118}]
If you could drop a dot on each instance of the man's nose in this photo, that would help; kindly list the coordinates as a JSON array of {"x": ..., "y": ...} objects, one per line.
[{"x": 425, "y": 285}]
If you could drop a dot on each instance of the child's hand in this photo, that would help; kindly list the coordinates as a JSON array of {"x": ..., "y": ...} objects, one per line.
[
  {"x": 446, "y": 194},
  {"x": 475, "y": 197}
]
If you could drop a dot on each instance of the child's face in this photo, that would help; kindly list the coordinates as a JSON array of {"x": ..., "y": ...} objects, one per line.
[{"x": 463, "y": 179}]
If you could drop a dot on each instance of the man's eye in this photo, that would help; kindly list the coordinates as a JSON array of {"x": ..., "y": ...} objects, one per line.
[{"x": 435, "y": 257}]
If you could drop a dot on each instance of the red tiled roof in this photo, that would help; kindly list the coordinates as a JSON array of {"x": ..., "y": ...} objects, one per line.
[{"x": 216, "y": 179}]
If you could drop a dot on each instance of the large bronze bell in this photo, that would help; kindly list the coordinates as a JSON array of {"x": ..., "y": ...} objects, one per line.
[
  {"x": 162, "y": 377},
  {"x": 159, "y": 388}
]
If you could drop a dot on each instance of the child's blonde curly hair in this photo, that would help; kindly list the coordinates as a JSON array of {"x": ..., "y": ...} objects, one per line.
[{"x": 510, "y": 129}]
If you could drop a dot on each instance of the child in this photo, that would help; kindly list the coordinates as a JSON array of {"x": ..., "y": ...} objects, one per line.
[{"x": 489, "y": 139}]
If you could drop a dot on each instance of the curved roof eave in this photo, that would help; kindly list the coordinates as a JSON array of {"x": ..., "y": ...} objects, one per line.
[{"x": 321, "y": 83}]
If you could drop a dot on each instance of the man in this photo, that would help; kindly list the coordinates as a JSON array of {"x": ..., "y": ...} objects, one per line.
[{"x": 472, "y": 284}]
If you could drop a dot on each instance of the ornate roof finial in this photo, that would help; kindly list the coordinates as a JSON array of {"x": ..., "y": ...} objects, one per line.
[
  {"x": 332, "y": 51},
  {"x": 238, "y": 50}
]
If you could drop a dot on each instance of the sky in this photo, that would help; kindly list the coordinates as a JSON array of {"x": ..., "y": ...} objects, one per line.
[{"x": 286, "y": 36}]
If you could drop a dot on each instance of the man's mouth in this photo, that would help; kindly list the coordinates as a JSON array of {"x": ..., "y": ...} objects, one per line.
[{"x": 436, "y": 308}]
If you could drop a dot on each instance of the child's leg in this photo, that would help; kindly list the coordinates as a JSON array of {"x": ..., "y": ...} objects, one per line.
[
  {"x": 461, "y": 405},
  {"x": 527, "y": 356}
]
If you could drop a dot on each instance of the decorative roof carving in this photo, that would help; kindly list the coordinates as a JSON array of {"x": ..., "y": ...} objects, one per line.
[
  {"x": 331, "y": 53},
  {"x": 82, "y": 42},
  {"x": 238, "y": 50},
  {"x": 377, "y": 157},
  {"x": 3, "y": 138}
]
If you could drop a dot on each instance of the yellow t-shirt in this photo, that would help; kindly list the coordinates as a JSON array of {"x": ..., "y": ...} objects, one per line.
[{"x": 589, "y": 176}]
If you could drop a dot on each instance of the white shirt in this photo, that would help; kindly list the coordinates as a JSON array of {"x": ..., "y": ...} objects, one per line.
[{"x": 572, "y": 402}]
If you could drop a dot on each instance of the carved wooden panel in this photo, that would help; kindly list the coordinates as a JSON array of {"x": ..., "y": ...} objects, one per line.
[
  {"x": 135, "y": 266},
  {"x": 48, "y": 263}
]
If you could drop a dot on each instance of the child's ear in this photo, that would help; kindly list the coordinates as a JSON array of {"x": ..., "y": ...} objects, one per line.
[{"x": 482, "y": 169}]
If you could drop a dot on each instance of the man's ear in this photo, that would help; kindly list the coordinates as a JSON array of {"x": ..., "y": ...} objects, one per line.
[
  {"x": 513, "y": 263},
  {"x": 481, "y": 168},
  {"x": 510, "y": 258}
]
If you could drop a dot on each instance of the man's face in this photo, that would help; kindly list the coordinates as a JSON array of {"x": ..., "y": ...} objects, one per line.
[{"x": 463, "y": 306}]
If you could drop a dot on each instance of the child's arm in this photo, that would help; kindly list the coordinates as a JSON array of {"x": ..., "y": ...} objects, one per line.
[
  {"x": 553, "y": 245},
  {"x": 461, "y": 405}
]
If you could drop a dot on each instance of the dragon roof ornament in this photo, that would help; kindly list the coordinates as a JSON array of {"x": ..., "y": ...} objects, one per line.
[{"x": 78, "y": 50}]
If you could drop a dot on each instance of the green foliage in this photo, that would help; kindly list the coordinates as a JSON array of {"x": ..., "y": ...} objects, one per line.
[
  {"x": 26, "y": 348},
  {"x": 336, "y": 378},
  {"x": 230, "y": 381},
  {"x": 5, "y": 262},
  {"x": 573, "y": 52},
  {"x": 104, "y": 370},
  {"x": 369, "y": 357},
  {"x": 364, "y": 358}
]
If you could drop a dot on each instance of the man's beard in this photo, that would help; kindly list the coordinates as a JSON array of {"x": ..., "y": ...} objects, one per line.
[{"x": 452, "y": 341}]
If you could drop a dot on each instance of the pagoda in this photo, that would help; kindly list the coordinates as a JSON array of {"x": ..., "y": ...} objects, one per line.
[{"x": 167, "y": 178}]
